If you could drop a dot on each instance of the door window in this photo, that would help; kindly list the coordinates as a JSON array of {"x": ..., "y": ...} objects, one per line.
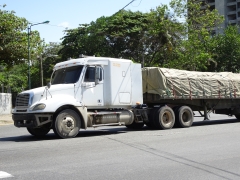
[{"x": 90, "y": 74}]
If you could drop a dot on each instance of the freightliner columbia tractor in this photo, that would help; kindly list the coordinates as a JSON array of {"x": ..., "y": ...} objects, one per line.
[{"x": 97, "y": 91}]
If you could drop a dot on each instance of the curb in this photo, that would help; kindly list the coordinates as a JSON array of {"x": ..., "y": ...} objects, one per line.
[
  {"x": 5, "y": 122},
  {"x": 6, "y": 119}
]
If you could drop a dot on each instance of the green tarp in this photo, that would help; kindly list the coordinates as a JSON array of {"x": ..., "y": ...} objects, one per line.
[{"x": 174, "y": 83}]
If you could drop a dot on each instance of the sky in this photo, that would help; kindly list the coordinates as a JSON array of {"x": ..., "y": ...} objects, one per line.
[{"x": 69, "y": 14}]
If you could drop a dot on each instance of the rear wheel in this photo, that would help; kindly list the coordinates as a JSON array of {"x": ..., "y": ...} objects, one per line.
[
  {"x": 164, "y": 118},
  {"x": 38, "y": 132},
  {"x": 67, "y": 124},
  {"x": 184, "y": 117},
  {"x": 151, "y": 116}
]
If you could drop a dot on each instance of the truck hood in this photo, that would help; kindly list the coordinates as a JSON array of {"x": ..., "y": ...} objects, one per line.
[{"x": 43, "y": 93}]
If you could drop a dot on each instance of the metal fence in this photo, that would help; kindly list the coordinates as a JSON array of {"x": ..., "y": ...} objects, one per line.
[{"x": 5, "y": 89}]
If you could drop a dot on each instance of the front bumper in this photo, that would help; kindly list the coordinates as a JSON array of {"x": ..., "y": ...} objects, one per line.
[{"x": 31, "y": 120}]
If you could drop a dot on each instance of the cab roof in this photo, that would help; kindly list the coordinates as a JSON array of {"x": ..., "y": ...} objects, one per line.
[{"x": 87, "y": 61}]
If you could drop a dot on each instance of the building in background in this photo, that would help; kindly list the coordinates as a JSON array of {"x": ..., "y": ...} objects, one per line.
[{"x": 230, "y": 9}]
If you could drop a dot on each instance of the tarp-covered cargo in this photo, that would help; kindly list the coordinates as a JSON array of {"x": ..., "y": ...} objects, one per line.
[{"x": 174, "y": 83}]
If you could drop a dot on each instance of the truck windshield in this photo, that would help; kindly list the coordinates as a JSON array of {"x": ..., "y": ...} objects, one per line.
[{"x": 66, "y": 75}]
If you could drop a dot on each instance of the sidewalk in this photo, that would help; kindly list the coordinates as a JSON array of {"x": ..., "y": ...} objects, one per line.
[{"x": 6, "y": 119}]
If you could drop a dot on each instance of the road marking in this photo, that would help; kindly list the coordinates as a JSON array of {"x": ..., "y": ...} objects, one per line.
[{"x": 5, "y": 175}]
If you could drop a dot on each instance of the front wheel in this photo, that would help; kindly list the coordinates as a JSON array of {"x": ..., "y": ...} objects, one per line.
[
  {"x": 38, "y": 132},
  {"x": 67, "y": 124}
]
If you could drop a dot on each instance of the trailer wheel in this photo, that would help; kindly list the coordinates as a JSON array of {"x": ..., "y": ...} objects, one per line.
[
  {"x": 67, "y": 124},
  {"x": 165, "y": 118},
  {"x": 38, "y": 132},
  {"x": 184, "y": 116}
]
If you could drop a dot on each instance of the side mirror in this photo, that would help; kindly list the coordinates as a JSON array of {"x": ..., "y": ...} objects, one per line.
[
  {"x": 49, "y": 85},
  {"x": 97, "y": 75}
]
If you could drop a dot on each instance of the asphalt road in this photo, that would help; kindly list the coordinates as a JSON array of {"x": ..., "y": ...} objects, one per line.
[{"x": 207, "y": 150}]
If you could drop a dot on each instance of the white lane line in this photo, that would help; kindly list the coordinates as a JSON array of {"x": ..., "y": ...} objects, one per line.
[{"x": 5, "y": 175}]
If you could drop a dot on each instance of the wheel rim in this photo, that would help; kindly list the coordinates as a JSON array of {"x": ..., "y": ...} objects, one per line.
[
  {"x": 167, "y": 119},
  {"x": 186, "y": 117},
  {"x": 68, "y": 124}
]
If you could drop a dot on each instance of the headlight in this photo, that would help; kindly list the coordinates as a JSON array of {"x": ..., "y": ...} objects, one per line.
[{"x": 39, "y": 107}]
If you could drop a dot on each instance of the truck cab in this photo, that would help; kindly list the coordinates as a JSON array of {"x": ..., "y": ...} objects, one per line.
[{"x": 83, "y": 92}]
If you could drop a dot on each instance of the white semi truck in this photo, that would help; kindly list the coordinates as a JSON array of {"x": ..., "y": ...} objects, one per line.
[{"x": 97, "y": 91}]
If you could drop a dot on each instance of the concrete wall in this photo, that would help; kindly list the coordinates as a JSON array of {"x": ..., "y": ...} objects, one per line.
[{"x": 5, "y": 103}]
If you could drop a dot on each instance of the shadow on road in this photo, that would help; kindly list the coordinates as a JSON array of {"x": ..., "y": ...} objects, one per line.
[
  {"x": 215, "y": 122},
  {"x": 82, "y": 133},
  {"x": 104, "y": 131},
  {"x": 27, "y": 138}
]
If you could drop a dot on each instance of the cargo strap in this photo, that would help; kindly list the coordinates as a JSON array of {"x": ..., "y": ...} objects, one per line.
[
  {"x": 173, "y": 90},
  {"x": 190, "y": 93}
]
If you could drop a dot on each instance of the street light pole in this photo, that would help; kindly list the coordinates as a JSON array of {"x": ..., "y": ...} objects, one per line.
[
  {"x": 41, "y": 70},
  {"x": 41, "y": 66},
  {"x": 29, "y": 70}
]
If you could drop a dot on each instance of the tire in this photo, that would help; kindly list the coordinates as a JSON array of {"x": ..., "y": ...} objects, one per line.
[
  {"x": 148, "y": 125},
  {"x": 38, "y": 132},
  {"x": 151, "y": 117},
  {"x": 67, "y": 124},
  {"x": 135, "y": 125},
  {"x": 237, "y": 116},
  {"x": 164, "y": 118},
  {"x": 184, "y": 117}
]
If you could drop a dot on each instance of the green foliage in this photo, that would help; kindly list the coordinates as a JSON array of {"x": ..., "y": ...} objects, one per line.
[
  {"x": 50, "y": 57},
  {"x": 14, "y": 52},
  {"x": 157, "y": 37},
  {"x": 16, "y": 77},
  {"x": 225, "y": 48},
  {"x": 127, "y": 34},
  {"x": 12, "y": 40},
  {"x": 194, "y": 52},
  {"x": 164, "y": 35}
]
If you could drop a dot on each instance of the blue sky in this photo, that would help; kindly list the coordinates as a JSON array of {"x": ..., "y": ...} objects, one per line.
[{"x": 70, "y": 13}]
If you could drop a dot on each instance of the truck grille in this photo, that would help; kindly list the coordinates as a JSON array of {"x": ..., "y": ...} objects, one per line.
[{"x": 22, "y": 100}]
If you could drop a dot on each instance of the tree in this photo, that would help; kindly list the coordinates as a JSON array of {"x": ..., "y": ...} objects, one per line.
[
  {"x": 126, "y": 34},
  {"x": 15, "y": 78},
  {"x": 50, "y": 57},
  {"x": 13, "y": 42},
  {"x": 194, "y": 53},
  {"x": 163, "y": 36},
  {"x": 226, "y": 50},
  {"x": 123, "y": 34},
  {"x": 44, "y": 61}
]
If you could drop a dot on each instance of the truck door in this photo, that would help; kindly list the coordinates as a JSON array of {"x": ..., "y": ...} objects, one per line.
[{"x": 92, "y": 87}]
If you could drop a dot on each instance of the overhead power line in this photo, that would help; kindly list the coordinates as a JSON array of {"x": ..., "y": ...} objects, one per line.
[
  {"x": 138, "y": 4},
  {"x": 127, "y": 5},
  {"x": 124, "y": 7}
]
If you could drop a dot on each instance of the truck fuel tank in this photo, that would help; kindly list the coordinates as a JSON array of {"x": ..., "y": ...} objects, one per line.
[{"x": 125, "y": 117}]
